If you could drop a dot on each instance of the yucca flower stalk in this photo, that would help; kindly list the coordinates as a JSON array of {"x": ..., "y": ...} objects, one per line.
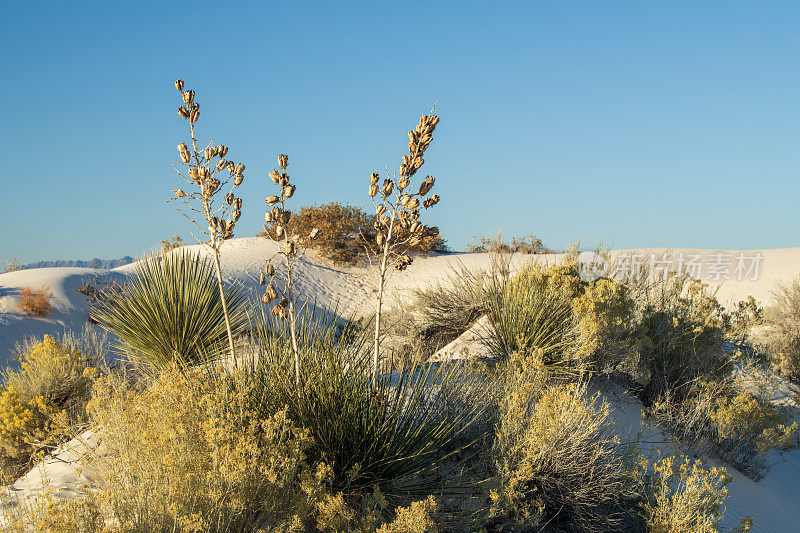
[
  {"x": 209, "y": 177},
  {"x": 398, "y": 205},
  {"x": 280, "y": 287}
]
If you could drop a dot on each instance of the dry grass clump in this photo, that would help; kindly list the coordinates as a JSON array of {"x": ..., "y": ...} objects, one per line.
[
  {"x": 42, "y": 400},
  {"x": 432, "y": 316},
  {"x": 782, "y": 335},
  {"x": 530, "y": 244},
  {"x": 35, "y": 302},
  {"x": 558, "y": 461}
]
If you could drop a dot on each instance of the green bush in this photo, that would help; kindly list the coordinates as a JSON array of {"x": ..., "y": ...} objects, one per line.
[{"x": 171, "y": 310}]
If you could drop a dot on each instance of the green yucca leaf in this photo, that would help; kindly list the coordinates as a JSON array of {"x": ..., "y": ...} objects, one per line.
[
  {"x": 414, "y": 418},
  {"x": 170, "y": 310},
  {"x": 529, "y": 314}
]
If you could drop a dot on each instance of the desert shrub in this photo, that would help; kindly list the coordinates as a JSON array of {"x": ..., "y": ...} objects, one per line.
[
  {"x": 25, "y": 425},
  {"x": 343, "y": 231},
  {"x": 738, "y": 426},
  {"x": 558, "y": 461},
  {"x": 681, "y": 337},
  {"x": 782, "y": 335},
  {"x": 171, "y": 310},
  {"x": 35, "y": 302},
  {"x": 681, "y": 496},
  {"x": 187, "y": 454},
  {"x": 410, "y": 422},
  {"x": 530, "y": 244},
  {"x": 41, "y": 400},
  {"x": 11, "y": 266},
  {"x": 167, "y": 245}
]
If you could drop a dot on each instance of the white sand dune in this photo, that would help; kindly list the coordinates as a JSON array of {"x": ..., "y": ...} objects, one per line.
[{"x": 773, "y": 502}]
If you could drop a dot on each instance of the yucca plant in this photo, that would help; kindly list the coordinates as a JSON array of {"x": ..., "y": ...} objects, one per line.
[
  {"x": 281, "y": 285},
  {"x": 528, "y": 313},
  {"x": 397, "y": 211},
  {"x": 411, "y": 420},
  {"x": 171, "y": 310},
  {"x": 209, "y": 177}
]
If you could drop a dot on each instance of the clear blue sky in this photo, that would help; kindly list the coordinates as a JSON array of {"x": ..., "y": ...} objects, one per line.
[{"x": 639, "y": 123}]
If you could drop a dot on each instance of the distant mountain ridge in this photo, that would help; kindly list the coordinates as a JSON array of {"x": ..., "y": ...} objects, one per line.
[{"x": 91, "y": 263}]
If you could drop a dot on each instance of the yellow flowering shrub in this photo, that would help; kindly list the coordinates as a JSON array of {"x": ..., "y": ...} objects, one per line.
[
  {"x": 556, "y": 457},
  {"x": 684, "y": 497},
  {"x": 22, "y": 422},
  {"x": 53, "y": 371},
  {"x": 39, "y": 401}
]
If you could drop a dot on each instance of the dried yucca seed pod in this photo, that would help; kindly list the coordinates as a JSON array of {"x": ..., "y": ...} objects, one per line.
[
  {"x": 231, "y": 166},
  {"x": 221, "y": 164},
  {"x": 279, "y": 231},
  {"x": 180, "y": 193},
  {"x": 182, "y": 111},
  {"x": 239, "y": 169},
  {"x": 271, "y": 292},
  {"x": 268, "y": 216},
  {"x": 188, "y": 97},
  {"x": 285, "y": 216},
  {"x": 381, "y": 209},
  {"x": 373, "y": 190},
  {"x": 237, "y": 180},
  {"x": 262, "y": 279},
  {"x": 195, "y": 175},
  {"x": 314, "y": 233},
  {"x": 283, "y": 161},
  {"x": 265, "y": 298},
  {"x": 204, "y": 172},
  {"x": 430, "y": 202},
  {"x": 415, "y": 227},
  {"x": 222, "y": 150},
  {"x": 272, "y": 200},
  {"x": 208, "y": 153},
  {"x": 373, "y": 178},
  {"x": 194, "y": 116},
  {"x": 269, "y": 270},
  {"x": 288, "y": 191},
  {"x": 289, "y": 248},
  {"x": 403, "y": 183},
  {"x": 274, "y": 175},
  {"x": 412, "y": 203},
  {"x": 283, "y": 181},
  {"x": 179, "y": 84},
  {"x": 236, "y": 215},
  {"x": 238, "y": 203},
  {"x": 388, "y": 186},
  {"x": 229, "y": 198}
]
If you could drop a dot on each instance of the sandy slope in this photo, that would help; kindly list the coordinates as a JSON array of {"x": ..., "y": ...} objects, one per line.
[{"x": 772, "y": 502}]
